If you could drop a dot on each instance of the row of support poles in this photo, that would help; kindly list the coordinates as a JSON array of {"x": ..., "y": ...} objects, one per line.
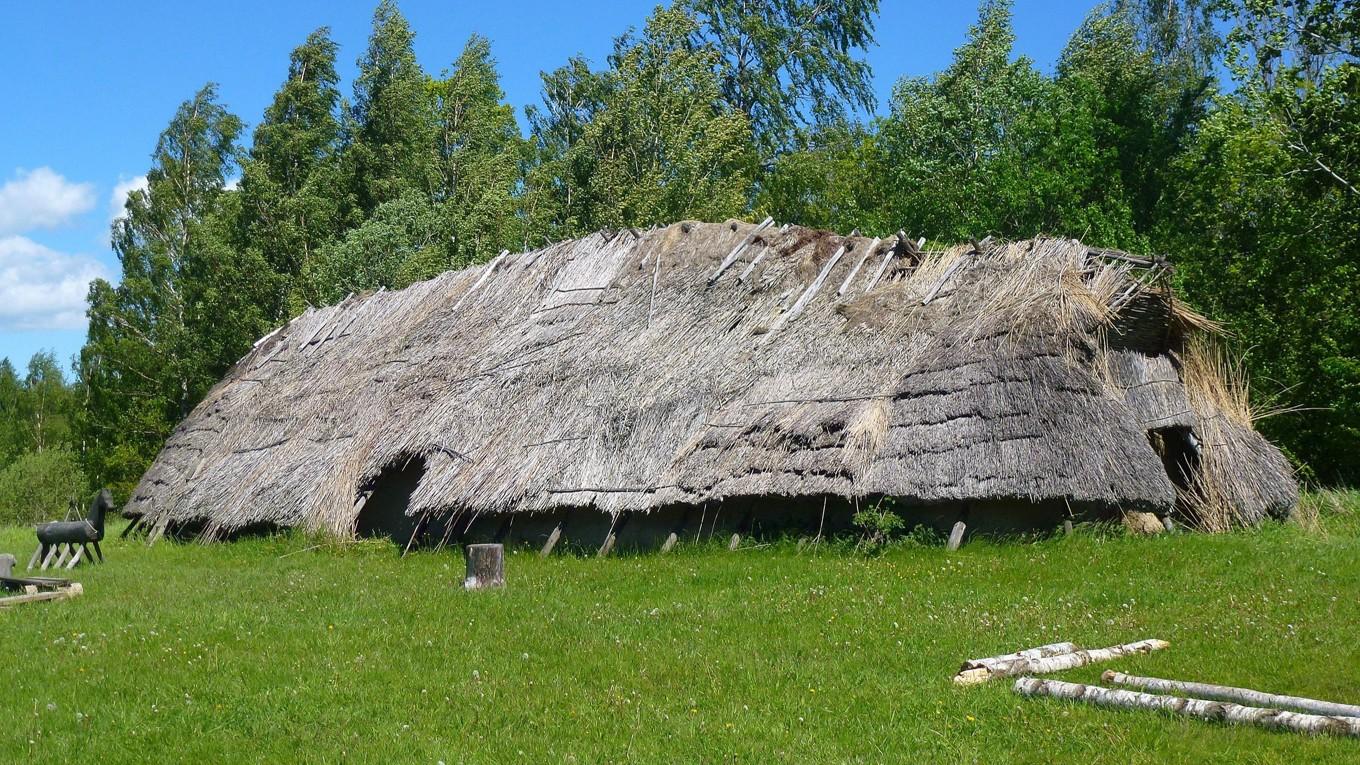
[{"x": 64, "y": 555}]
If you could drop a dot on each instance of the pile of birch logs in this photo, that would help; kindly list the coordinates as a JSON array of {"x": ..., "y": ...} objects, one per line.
[{"x": 1238, "y": 706}]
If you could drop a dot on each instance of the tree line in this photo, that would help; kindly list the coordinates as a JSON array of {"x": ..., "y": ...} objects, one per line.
[{"x": 1223, "y": 132}]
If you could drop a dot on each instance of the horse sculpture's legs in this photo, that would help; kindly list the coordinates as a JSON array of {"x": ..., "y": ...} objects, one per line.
[
  {"x": 99, "y": 552},
  {"x": 47, "y": 559},
  {"x": 37, "y": 556}
]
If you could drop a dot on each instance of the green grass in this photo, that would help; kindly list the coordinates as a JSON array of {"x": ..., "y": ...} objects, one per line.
[{"x": 270, "y": 650}]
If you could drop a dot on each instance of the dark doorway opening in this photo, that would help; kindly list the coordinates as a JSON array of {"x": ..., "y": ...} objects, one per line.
[
  {"x": 389, "y": 497},
  {"x": 1179, "y": 449}
]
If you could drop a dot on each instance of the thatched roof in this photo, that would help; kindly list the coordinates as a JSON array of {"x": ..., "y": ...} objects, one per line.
[{"x": 698, "y": 362}]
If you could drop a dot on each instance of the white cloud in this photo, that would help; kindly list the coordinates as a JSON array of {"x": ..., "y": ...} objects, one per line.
[
  {"x": 41, "y": 288},
  {"x": 232, "y": 184},
  {"x": 41, "y": 199},
  {"x": 121, "y": 189}
]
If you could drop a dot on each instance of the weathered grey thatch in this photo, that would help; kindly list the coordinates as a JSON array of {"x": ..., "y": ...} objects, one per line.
[{"x": 634, "y": 370}]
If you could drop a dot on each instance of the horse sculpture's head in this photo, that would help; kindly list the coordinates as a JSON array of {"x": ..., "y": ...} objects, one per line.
[{"x": 101, "y": 505}]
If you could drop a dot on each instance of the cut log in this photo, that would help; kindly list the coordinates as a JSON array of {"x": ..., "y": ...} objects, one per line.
[
  {"x": 1229, "y": 693},
  {"x": 1039, "y": 652},
  {"x": 976, "y": 671},
  {"x": 956, "y": 536},
  {"x": 1234, "y": 714},
  {"x": 1046, "y": 664},
  {"x": 485, "y": 566},
  {"x": 7, "y": 562}
]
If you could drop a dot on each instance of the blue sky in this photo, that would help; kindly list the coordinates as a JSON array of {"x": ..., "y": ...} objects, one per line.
[{"x": 89, "y": 85}]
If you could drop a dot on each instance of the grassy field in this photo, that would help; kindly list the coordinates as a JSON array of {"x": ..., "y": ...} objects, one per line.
[{"x": 272, "y": 649}]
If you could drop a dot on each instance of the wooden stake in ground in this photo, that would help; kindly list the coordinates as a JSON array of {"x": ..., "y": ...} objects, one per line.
[
  {"x": 1205, "y": 710},
  {"x": 485, "y": 567},
  {"x": 1229, "y": 693},
  {"x": 1045, "y": 664},
  {"x": 956, "y": 536}
]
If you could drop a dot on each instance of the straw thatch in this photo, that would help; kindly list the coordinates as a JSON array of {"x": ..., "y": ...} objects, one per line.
[{"x": 701, "y": 363}]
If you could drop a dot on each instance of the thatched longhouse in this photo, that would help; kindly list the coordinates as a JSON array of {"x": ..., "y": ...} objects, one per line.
[{"x": 735, "y": 374}]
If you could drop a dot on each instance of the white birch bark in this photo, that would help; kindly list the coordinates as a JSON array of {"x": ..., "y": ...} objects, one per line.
[
  {"x": 1221, "y": 711},
  {"x": 1046, "y": 664},
  {"x": 1230, "y": 693}
]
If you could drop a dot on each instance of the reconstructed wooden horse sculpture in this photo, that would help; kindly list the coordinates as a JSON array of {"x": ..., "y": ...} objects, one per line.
[{"x": 59, "y": 539}]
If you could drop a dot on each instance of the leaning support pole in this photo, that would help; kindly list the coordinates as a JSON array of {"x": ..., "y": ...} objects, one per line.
[
  {"x": 1044, "y": 665},
  {"x": 552, "y": 540},
  {"x": 1229, "y": 693},
  {"x": 1234, "y": 714}
]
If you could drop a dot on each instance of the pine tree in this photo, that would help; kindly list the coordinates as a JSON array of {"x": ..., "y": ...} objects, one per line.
[
  {"x": 481, "y": 156},
  {"x": 289, "y": 201},
  {"x": 392, "y": 149}
]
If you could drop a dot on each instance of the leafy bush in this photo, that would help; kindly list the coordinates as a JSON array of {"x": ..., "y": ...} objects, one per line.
[
  {"x": 879, "y": 525},
  {"x": 39, "y": 486}
]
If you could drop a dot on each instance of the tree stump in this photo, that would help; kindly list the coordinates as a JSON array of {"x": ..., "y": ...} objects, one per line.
[
  {"x": 7, "y": 562},
  {"x": 485, "y": 566}
]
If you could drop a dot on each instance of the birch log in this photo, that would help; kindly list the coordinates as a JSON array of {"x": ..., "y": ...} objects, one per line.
[
  {"x": 1234, "y": 714},
  {"x": 1046, "y": 664},
  {"x": 976, "y": 671},
  {"x": 1229, "y": 693}
]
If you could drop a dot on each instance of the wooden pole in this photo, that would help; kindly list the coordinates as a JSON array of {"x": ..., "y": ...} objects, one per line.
[
  {"x": 956, "y": 536},
  {"x": 7, "y": 562},
  {"x": 1234, "y": 714},
  {"x": 1229, "y": 693},
  {"x": 552, "y": 540},
  {"x": 1047, "y": 664},
  {"x": 485, "y": 566}
]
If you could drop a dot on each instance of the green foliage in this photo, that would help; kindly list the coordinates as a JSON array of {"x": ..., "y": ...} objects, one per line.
[
  {"x": 827, "y": 181},
  {"x": 659, "y": 144},
  {"x": 404, "y": 241},
  {"x": 787, "y": 64},
  {"x": 878, "y": 525},
  {"x": 481, "y": 156},
  {"x": 175, "y": 321},
  {"x": 290, "y": 195},
  {"x": 1265, "y": 209},
  {"x": 40, "y": 486},
  {"x": 392, "y": 150}
]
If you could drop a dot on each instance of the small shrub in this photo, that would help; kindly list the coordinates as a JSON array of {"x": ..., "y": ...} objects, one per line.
[
  {"x": 878, "y": 526},
  {"x": 40, "y": 486}
]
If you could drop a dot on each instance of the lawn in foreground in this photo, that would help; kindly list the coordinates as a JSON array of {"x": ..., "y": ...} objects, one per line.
[{"x": 272, "y": 650}]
